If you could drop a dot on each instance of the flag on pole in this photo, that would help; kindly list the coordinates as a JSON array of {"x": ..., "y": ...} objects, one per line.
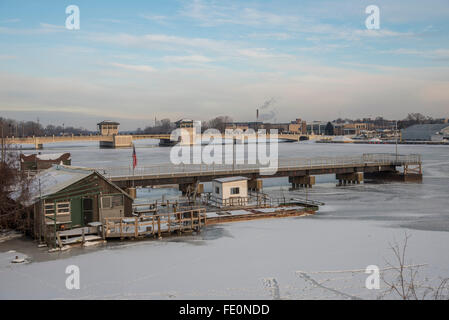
[{"x": 134, "y": 157}]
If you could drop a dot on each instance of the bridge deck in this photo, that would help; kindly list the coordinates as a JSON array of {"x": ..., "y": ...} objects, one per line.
[
  {"x": 158, "y": 136},
  {"x": 187, "y": 173}
]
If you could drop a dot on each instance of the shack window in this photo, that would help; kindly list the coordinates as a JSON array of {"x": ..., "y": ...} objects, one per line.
[
  {"x": 109, "y": 202},
  {"x": 106, "y": 202},
  {"x": 117, "y": 201},
  {"x": 49, "y": 209},
  {"x": 62, "y": 208},
  {"x": 217, "y": 190},
  {"x": 235, "y": 190}
]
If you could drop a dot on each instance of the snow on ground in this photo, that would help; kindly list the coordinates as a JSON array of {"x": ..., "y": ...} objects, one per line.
[{"x": 225, "y": 261}]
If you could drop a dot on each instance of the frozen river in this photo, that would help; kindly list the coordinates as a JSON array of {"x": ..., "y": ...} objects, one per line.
[{"x": 351, "y": 231}]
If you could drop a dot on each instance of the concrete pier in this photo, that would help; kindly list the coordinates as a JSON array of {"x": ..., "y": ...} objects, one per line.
[
  {"x": 349, "y": 178},
  {"x": 125, "y": 141},
  {"x": 302, "y": 181}
]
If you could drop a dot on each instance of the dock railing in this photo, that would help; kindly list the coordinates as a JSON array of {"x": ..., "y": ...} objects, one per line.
[{"x": 284, "y": 164}]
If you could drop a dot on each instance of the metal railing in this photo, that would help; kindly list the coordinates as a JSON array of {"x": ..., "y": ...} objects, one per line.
[{"x": 285, "y": 164}]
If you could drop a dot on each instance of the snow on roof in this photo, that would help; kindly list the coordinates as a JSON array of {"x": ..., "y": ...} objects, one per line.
[
  {"x": 53, "y": 180},
  {"x": 48, "y": 156},
  {"x": 230, "y": 179}
]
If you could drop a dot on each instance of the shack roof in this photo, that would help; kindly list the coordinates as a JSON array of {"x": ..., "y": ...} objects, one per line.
[
  {"x": 57, "y": 178},
  {"x": 230, "y": 179},
  {"x": 45, "y": 157}
]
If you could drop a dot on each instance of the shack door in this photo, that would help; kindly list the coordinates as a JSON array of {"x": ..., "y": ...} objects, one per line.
[
  {"x": 88, "y": 210},
  {"x": 76, "y": 213}
]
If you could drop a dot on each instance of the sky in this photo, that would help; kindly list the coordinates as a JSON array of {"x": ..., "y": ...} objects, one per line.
[{"x": 134, "y": 61}]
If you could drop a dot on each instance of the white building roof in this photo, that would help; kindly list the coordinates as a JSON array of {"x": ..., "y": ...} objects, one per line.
[{"x": 230, "y": 179}]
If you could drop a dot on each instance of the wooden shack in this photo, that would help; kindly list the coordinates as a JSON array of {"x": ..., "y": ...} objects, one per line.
[
  {"x": 65, "y": 197},
  {"x": 39, "y": 161}
]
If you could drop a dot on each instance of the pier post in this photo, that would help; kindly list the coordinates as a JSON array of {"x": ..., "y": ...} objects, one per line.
[
  {"x": 302, "y": 181},
  {"x": 132, "y": 192},
  {"x": 349, "y": 178},
  {"x": 255, "y": 184}
]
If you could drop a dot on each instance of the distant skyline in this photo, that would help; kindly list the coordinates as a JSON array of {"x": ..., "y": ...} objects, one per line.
[{"x": 134, "y": 60}]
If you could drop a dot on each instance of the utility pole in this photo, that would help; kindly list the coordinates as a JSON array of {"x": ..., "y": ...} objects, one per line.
[
  {"x": 396, "y": 134},
  {"x": 234, "y": 141},
  {"x": 3, "y": 146}
]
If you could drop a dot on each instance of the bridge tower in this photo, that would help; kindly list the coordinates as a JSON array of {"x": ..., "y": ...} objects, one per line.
[{"x": 109, "y": 130}]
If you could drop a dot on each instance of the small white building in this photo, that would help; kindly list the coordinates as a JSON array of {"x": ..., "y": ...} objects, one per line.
[{"x": 232, "y": 191}]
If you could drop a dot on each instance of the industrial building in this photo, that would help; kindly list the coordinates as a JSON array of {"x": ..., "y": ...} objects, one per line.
[{"x": 426, "y": 132}]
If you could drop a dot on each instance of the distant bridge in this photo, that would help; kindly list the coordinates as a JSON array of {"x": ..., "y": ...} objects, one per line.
[
  {"x": 301, "y": 171},
  {"x": 113, "y": 141}
]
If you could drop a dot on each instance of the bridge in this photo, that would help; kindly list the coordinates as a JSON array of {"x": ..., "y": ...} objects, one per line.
[
  {"x": 301, "y": 171},
  {"x": 39, "y": 141},
  {"x": 117, "y": 141}
]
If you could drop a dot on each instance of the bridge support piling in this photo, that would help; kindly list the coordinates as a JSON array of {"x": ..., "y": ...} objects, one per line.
[
  {"x": 255, "y": 185},
  {"x": 349, "y": 178},
  {"x": 302, "y": 181},
  {"x": 397, "y": 176},
  {"x": 188, "y": 188}
]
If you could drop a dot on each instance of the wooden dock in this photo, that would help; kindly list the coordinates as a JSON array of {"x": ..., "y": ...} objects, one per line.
[
  {"x": 155, "y": 225},
  {"x": 256, "y": 214}
]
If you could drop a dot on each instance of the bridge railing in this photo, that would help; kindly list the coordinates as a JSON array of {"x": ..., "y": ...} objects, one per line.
[{"x": 283, "y": 164}]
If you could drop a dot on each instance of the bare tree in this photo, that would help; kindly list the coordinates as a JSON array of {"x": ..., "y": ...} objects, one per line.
[
  {"x": 219, "y": 123},
  {"x": 14, "y": 189},
  {"x": 406, "y": 282}
]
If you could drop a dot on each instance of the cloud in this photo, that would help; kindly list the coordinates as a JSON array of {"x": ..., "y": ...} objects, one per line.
[
  {"x": 187, "y": 59},
  {"x": 255, "y": 53},
  {"x": 44, "y": 28},
  {"x": 437, "y": 54},
  {"x": 13, "y": 20},
  {"x": 211, "y": 14},
  {"x": 155, "y": 18},
  {"x": 270, "y": 35},
  {"x": 318, "y": 91},
  {"x": 140, "y": 68},
  {"x": 7, "y": 57}
]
